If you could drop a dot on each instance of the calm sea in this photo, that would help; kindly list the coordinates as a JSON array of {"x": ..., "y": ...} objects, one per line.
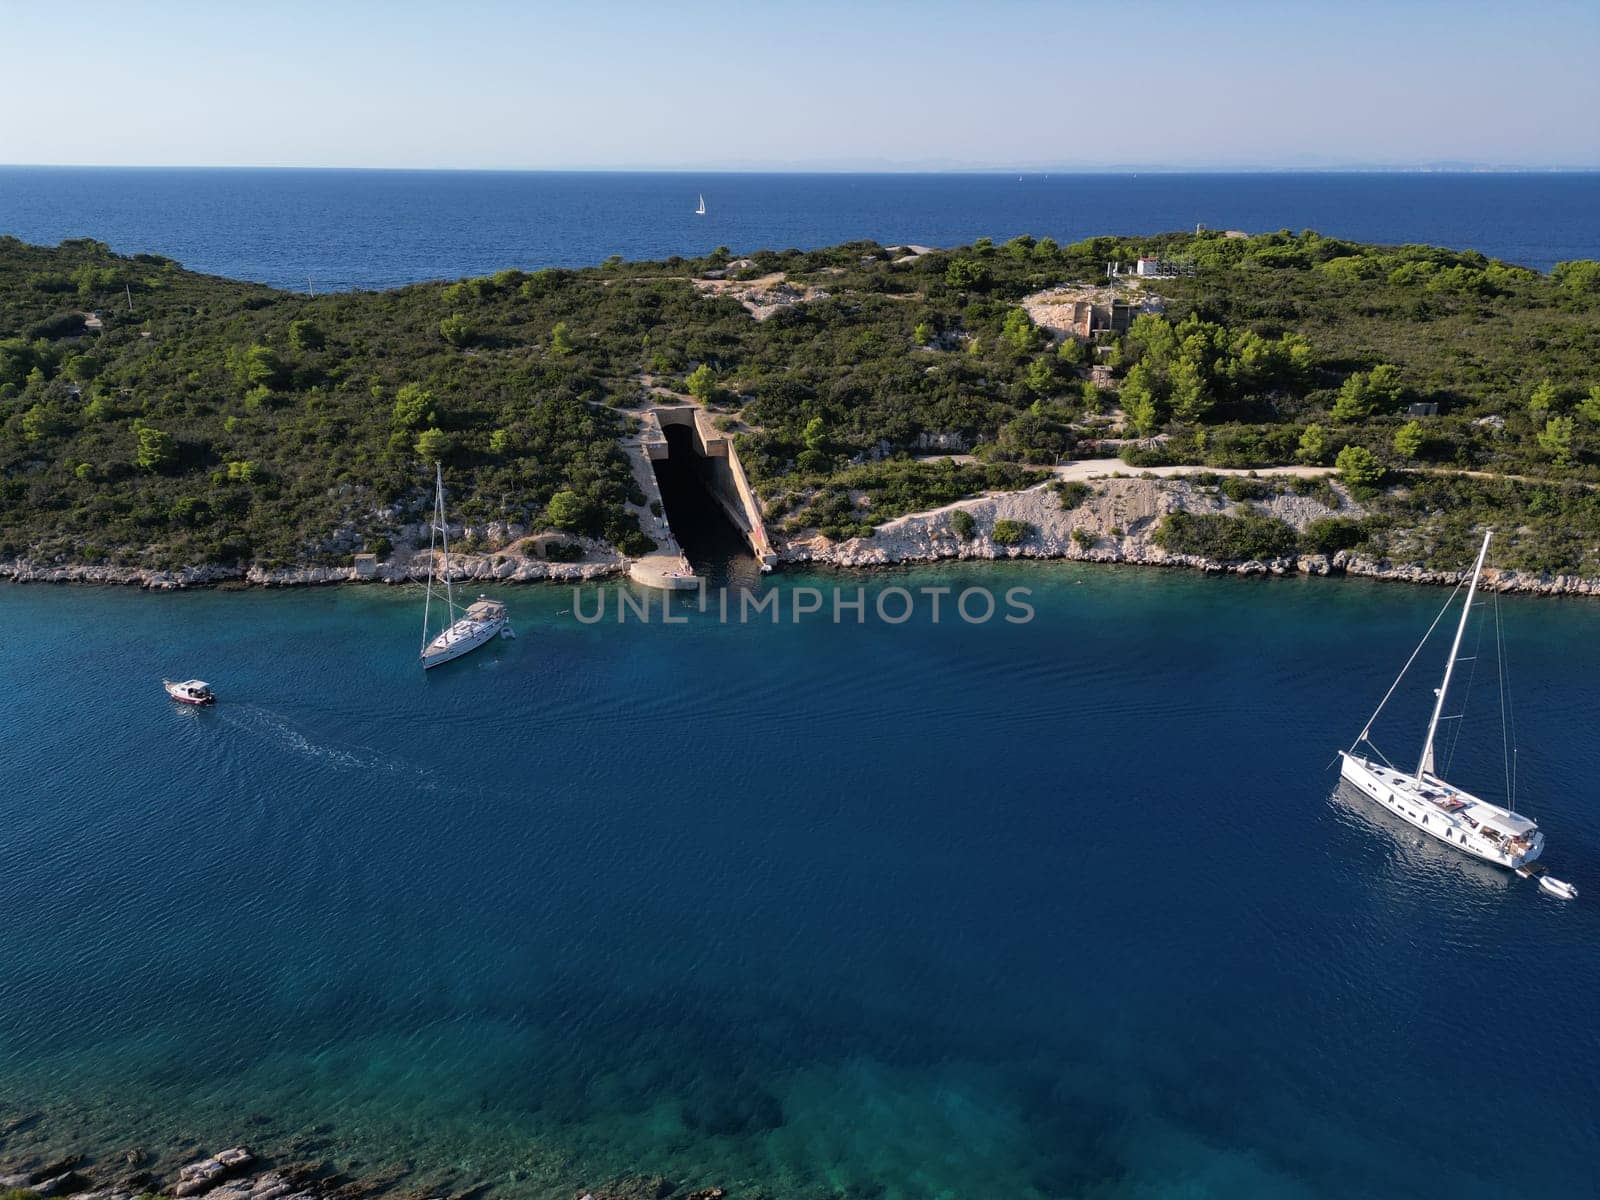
[
  {"x": 1070, "y": 908},
  {"x": 1062, "y": 909},
  {"x": 347, "y": 229}
]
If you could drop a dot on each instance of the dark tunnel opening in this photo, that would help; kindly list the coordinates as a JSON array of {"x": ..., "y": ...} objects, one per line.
[{"x": 712, "y": 542}]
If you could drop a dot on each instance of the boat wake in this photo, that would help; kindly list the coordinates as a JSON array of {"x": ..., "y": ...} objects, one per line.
[{"x": 275, "y": 728}]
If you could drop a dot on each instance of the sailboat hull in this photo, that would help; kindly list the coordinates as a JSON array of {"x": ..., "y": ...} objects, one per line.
[
  {"x": 456, "y": 641},
  {"x": 483, "y": 621},
  {"x": 1444, "y": 812}
]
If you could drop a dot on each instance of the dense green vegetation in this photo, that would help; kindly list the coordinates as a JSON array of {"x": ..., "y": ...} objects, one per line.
[
  {"x": 1007, "y": 532},
  {"x": 209, "y": 420},
  {"x": 1227, "y": 538}
]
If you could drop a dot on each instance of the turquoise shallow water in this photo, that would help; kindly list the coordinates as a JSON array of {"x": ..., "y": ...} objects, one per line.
[{"x": 1068, "y": 908}]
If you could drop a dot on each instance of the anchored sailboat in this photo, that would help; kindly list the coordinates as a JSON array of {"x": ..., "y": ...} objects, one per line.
[
  {"x": 1472, "y": 825},
  {"x": 701, "y": 211},
  {"x": 481, "y": 620}
]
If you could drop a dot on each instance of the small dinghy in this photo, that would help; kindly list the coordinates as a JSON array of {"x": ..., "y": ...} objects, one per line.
[{"x": 1558, "y": 887}]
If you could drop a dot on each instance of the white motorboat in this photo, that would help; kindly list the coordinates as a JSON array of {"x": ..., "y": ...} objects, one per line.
[
  {"x": 1495, "y": 833},
  {"x": 190, "y": 691},
  {"x": 467, "y": 629}
]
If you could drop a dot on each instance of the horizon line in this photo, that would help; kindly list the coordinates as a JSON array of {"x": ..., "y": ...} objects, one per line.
[{"x": 1440, "y": 168}]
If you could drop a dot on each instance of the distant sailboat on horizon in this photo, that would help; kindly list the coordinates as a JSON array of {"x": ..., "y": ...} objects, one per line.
[{"x": 701, "y": 211}]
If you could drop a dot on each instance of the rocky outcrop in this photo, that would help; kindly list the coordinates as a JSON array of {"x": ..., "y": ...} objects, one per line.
[
  {"x": 1531, "y": 583},
  {"x": 238, "y": 1174},
  {"x": 1116, "y": 523},
  {"x": 202, "y": 1176}
]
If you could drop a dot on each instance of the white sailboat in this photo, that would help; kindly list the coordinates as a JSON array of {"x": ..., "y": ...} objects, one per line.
[
  {"x": 1496, "y": 834},
  {"x": 465, "y": 630},
  {"x": 701, "y": 211}
]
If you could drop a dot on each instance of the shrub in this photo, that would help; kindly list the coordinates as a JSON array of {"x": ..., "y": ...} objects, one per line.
[
  {"x": 1313, "y": 443},
  {"x": 1329, "y": 535},
  {"x": 1072, "y": 494},
  {"x": 1408, "y": 439},
  {"x": 1555, "y": 439},
  {"x": 157, "y": 450},
  {"x": 1010, "y": 533},
  {"x": 702, "y": 383},
  {"x": 1242, "y": 487},
  {"x": 967, "y": 273},
  {"x": 189, "y": 510},
  {"x": 413, "y": 407},
  {"x": 305, "y": 335},
  {"x": 1580, "y": 275},
  {"x": 961, "y": 521},
  {"x": 1019, "y": 331},
  {"x": 567, "y": 510},
  {"x": 457, "y": 330},
  {"x": 257, "y": 366},
  {"x": 432, "y": 445},
  {"x": 635, "y": 542},
  {"x": 1082, "y": 538},
  {"x": 1227, "y": 539},
  {"x": 1359, "y": 467}
]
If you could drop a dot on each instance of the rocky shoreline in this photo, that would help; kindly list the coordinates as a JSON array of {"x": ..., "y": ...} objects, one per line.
[
  {"x": 240, "y": 1173},
  {"x": 1114, "y": 524},
  {"x": 486, "y": 568}
]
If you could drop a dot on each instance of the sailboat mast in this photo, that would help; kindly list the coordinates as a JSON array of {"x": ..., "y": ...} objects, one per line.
[
  {"x": 427, "y": 595},
  {"x": 1425, "y": 763},
  {"x": 444, "y": 533}
]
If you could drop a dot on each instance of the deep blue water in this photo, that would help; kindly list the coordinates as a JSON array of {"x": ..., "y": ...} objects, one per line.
[
  {"x": 345, "y": 229},
  {"x": 1068, "y": 908}
]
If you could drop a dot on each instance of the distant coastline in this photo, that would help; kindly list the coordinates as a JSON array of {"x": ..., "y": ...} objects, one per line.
[
  {"x": 386, "y": 227},
  {"x": 931, "y": 168}
]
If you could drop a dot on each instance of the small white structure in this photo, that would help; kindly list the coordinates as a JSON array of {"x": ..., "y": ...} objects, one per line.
[{"x": 1148, "y": 267}]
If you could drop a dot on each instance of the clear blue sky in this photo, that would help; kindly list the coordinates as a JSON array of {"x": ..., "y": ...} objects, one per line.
[{"x": 800, "y": 85}]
